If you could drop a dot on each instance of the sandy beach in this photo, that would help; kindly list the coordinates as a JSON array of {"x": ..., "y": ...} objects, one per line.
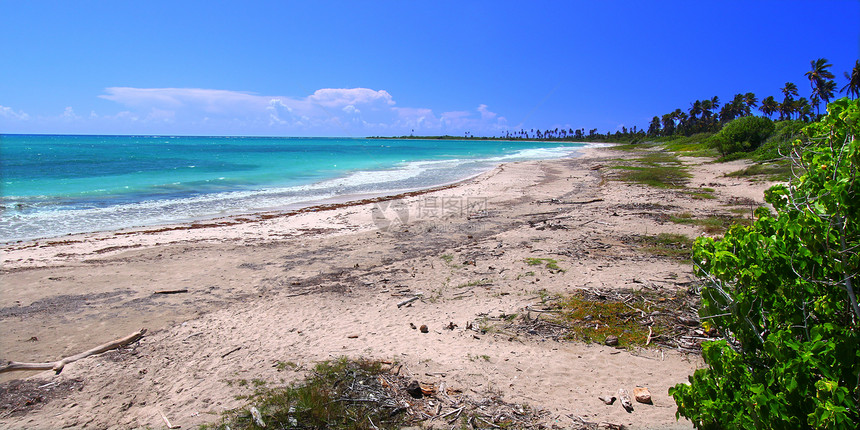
[{"x": 227, "y": 300}]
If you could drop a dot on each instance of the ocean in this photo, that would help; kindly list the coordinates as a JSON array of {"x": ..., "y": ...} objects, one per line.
[{"x": 56, "y": 185}]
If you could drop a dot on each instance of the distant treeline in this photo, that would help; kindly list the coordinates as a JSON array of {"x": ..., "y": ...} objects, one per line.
[{"x": 709, "y": 115}]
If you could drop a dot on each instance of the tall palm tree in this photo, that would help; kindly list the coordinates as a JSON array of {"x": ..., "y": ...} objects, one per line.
[
  {"x": 825, "y": 91},
  {"x": 768, "y": 106},
  {"x": 818, "y": 78},
  {"x": 786, "y": 108},
  {"x": 853, "y": 85},
  {"x": 706, "y": 114},
  {"x": 751, "y": 101},
  {"x": 789, "y": 89},
  {"x": 803, "y": 109},
  {"x": 668, "y": 124}
]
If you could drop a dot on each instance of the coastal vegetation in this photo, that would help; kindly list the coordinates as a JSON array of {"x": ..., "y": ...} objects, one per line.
[{"x": 781, "y": 294}]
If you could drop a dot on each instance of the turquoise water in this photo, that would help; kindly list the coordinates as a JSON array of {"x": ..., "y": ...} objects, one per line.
[{"x": 56, "y": 185}]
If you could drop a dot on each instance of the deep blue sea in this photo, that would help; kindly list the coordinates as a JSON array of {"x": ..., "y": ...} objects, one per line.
[{"x": 56, "y": 185}]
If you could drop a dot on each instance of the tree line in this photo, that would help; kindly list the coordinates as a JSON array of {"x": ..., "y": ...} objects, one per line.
[{"x": 710, "y": 115}]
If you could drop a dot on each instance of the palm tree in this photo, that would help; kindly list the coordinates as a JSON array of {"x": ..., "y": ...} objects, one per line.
[
  {"x": 803, "y": 109},
  {"x": 818, "y": 77},
  {"x": 789, "y": 89},
  {"x": 853, "y": 85},
  {"x": 769, "y": 105},
  {"x": 751, "y": 101},
  {"x": 786, "y": 108},
  {"x": 668, "y": 124}
]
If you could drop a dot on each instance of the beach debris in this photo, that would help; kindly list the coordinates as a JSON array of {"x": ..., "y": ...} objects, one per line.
[
  {"x": 624, "y": 397},
  {"x": 611, "y": 340},
  {"x": 171, "y": 426},
  {"x": 412, "y": 326},
  {"x": 424, "y": 328},
  {"x": 183, "y": 290},
  {"x": 231, "y": 351},
  {"x": 451, "y": 326},
  {"x": 258, "y": 417},
  {"x": 690, "y": 322},
  {"x": 607, "y": 399},
  {"x": 414, "y": 390},
  {"x": 409, "y": 300},
  {"x": 57, "y": 366},
  {"x": 352, "y": 336},
  {"x": 642, "y": 395}
]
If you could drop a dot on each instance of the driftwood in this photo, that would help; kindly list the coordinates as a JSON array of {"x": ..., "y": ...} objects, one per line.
[
  {"x": 624, "y": 397},
  {"x": 57, "y": 366},
  {"x": 167, "y": 421},
  {"x": 408, "y": 301},
  {"x": 184, "y": 290}
]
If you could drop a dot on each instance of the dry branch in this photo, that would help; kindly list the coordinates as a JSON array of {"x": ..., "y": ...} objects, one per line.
[
  {"x": 408, "y": 301},
  {"x": 57, "y": 366}
]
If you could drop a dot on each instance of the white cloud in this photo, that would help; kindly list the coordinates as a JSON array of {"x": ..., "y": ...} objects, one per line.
[
  {"x": 332, "y": 111},
  {"x": 7, "y": 112},
  {"x": 485, "y": 113},
  {"x": 69, "y": 114},
  {"x": 337, "y": 97}
]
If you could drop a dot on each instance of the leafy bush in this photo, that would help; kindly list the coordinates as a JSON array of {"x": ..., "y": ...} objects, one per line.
[
  {"x": 742, "y": 135},
  {"x": 779, "y": 143},
  {"x": 781, "y": 293}
]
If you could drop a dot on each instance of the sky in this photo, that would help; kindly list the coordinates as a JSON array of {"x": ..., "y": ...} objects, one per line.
[{"x": 390, "y": 68}]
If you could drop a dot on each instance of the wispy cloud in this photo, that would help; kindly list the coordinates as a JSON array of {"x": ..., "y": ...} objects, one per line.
[
  {"x": 10, "y": 114},
  {"x": 351, "y": 111}
]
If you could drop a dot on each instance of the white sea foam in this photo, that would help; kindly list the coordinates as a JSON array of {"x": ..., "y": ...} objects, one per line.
[{"x": 59, "y": 220}]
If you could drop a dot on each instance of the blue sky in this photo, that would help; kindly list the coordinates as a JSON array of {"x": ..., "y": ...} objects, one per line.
[{"x": 385, "y": 68}]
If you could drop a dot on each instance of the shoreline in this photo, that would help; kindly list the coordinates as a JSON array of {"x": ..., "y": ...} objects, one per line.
[
  {"x": 321, "y": 284},
  {"x": 289, "y": 208}
]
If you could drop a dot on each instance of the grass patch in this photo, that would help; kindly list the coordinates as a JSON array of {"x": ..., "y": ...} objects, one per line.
[
  {"x": 677, "y": 246},
  {"x": 631, "y": 146},
  {"x": 701, "y": 193},
  {"x": 550, "y": 264},
  {"x": 323, "y": 401},
  {"x": 713, "y": 224},
  {"x": 523, "y": 275},
  {"x": 447, "y": 258},
  {"x": 773, "y": 171},
  {"x": 592, "y": 316},
  {"x": 692, "y": 149},
  {"x": 660, "y": 169}
]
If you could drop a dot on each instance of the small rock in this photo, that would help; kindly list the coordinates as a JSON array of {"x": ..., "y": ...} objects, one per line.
[
  {"x": 642, "y": 395},
  {"x": 412, "y": 326},
  {"x": 611, "y": 340},
  {"x": 414, "y": 390},
  {"x": 424, "y": 328},
  {"x": 607, "y": 399}
]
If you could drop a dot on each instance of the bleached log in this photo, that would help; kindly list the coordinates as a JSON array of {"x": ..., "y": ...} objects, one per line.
[
  {"x": 624, "y": 397},
  {"x": 57, "y": 366},
  {"x": 408, "y": 301}
]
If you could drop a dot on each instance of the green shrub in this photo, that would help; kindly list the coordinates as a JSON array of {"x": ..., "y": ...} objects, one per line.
[
  {"x": 781, "y": 293},
  {"x": 779, "y": 143},
  {"x": 742, "y": 135}
]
